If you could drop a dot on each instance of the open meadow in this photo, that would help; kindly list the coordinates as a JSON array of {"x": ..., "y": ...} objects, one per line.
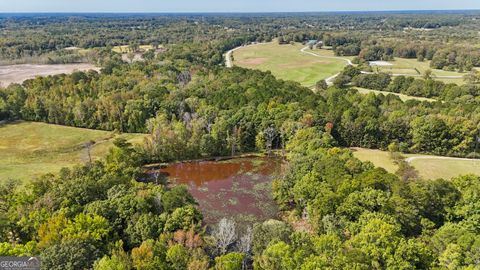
[
  {"x": 29, "y": 149},
  {"x": 428, "y": 167},
  {"x": 412, "y": 67},
  {"x": 287, "y": 62}
]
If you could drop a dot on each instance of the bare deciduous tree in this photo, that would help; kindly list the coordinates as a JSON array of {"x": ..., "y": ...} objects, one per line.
[
  {"x": 225, "y": 235},
  {"x": 183, "y": 78},
  {"x": 88, "y": 151},
  {"x": 156, "y": 176},
  {"x": 270, "y": 134},
  {"x": 244, "y": 245}
]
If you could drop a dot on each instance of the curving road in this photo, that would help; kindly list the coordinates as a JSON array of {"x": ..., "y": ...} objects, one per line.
[
  {"x": 228, "y": 57},
  {"x": 328, "y": 57},
  {"x": 330, "y": 79}
]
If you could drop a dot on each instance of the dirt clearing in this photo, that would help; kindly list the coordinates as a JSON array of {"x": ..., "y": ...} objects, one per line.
[{"x": 19, "y": 73}]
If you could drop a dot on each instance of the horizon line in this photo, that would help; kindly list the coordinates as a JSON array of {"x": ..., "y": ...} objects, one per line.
[{"x": 231, "y": 12}]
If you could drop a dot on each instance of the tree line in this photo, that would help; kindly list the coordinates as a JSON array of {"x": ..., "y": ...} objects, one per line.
[{"x": 425, "y": 87}]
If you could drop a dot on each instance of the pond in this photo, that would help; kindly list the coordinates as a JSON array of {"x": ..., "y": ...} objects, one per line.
[{"x": 238, "y": 188}]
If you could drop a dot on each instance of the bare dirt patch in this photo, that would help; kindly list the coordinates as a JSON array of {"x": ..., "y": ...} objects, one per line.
[
  {"x": 136, "y": 57},
  {"x": 19, "y": 73},
  {"x": 380, "y": 63}
]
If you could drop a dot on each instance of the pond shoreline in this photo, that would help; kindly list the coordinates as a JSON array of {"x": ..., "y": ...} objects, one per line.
[{"x": 160, "y": 165}]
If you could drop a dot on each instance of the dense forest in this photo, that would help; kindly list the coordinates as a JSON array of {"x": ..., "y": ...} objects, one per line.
[
  {"x": 337, "y": 211},
  {"x": 362, "y": 217},
  {"x": 213, "y": 111},
  {"x": 97, "y": 216}
]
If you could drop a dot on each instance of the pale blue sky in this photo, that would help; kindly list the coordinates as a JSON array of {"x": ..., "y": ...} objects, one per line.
[{"x": 228, "y": 5}]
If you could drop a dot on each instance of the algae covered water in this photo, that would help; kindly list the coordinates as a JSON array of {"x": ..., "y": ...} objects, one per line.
[{"x": 238, "y": 188}]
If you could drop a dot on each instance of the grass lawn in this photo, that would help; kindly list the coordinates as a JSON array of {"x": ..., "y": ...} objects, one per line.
[
  {"x": 379, "y": 158},
  {"x": 29, "y": 149},
  {"x": 402, "y": 97},
  {"x": 288, "y": 63},
  {"x": 428, "y": 168}
]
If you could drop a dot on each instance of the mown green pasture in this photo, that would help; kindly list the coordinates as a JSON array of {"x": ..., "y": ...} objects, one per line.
[{"x": 29, "y": 149}]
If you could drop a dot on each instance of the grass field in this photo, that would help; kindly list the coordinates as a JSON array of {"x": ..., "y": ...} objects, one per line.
[
  {"x": 402, "y": 97},
  {"x": 377, "y": 157},
  {"x": 455, "y": 81},
  {"x": 29, "y": 149},
  {"x": 288, "y": 63},
  {"x": 429, "y": 167},
  {"x": 416, "y": 68}
]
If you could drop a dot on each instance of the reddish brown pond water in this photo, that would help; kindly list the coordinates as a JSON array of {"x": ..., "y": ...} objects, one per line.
[{"x": 239, "y": 188}]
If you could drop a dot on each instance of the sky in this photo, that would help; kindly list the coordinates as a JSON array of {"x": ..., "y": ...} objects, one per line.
[{"x": 230, "y": 5}]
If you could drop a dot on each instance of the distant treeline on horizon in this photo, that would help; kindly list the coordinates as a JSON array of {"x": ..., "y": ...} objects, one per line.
[{"x": 207, "y": 13}]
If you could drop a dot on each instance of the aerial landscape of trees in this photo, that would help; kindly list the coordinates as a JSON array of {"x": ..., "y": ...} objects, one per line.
[{"x": 336, "y": 212}]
